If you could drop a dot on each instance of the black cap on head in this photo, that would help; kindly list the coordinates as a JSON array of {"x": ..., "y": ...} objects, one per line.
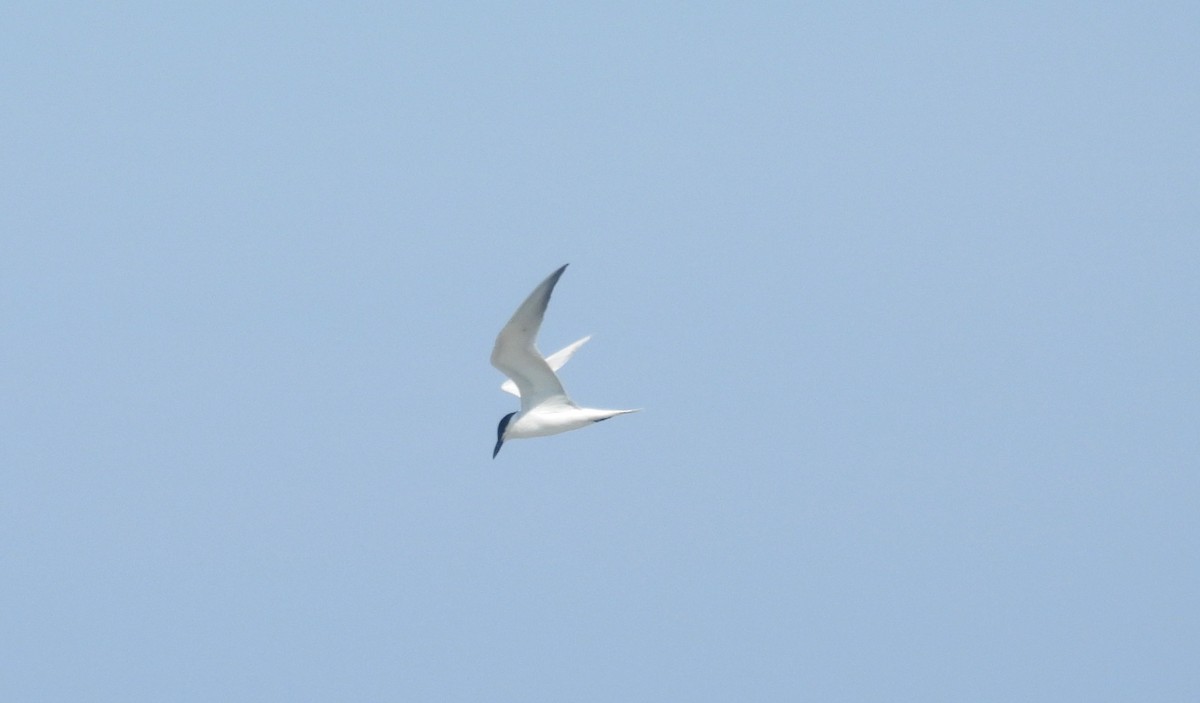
[{"x": 500, "y": 432}]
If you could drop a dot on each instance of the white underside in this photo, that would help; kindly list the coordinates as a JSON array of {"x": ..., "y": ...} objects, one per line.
[{"x": 553, "y": 418}]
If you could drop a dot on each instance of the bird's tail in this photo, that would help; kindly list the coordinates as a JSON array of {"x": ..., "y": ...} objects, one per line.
[{"x": 602, "y": 415}]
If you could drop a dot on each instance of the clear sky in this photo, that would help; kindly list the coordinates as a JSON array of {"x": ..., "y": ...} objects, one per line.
[{"x": 909, "y": 294}]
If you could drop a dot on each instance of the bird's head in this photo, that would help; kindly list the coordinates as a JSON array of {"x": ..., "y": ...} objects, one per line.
[{"x": 500, "y": 430}]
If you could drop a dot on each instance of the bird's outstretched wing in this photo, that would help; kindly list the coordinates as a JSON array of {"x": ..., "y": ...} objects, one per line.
[
  {"x": 516, "y": 354},
  {"x": 555, "y": 360}
]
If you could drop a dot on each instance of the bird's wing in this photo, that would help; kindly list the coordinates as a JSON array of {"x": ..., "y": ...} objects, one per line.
[
  {"x": 516, "y": 354},
  {"x": 555, "y": 360}
]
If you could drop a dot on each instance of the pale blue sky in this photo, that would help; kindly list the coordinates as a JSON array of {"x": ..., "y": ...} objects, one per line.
[{"x": 910, "y": 296}]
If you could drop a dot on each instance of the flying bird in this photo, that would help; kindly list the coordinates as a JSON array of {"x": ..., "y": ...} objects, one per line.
[{"x": 545, "y": 407}]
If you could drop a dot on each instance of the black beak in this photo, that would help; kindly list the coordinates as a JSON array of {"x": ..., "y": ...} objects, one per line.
[{"x": 497, "y": 449}]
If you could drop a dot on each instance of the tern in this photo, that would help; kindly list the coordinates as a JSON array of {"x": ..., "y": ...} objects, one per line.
[{"x": 545, "y": 407}]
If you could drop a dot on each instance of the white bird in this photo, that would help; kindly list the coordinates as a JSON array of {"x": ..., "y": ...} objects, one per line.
[{"x": 545, "y": 407}]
